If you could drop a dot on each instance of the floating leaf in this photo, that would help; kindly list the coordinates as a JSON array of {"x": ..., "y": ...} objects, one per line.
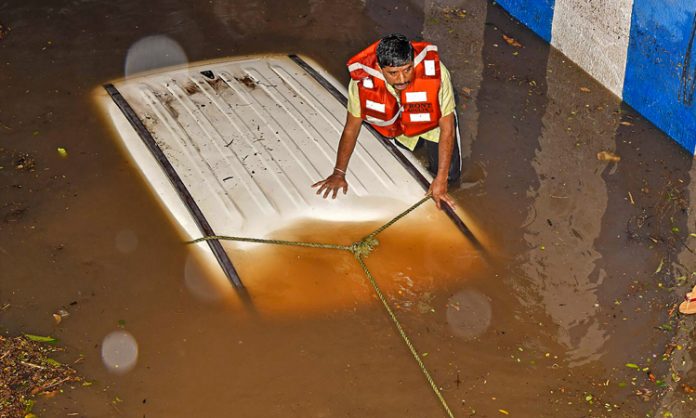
[
  {"x": 625, "y": 123},
  {"x": 585, "y": 90},
  {"x": 504, "y": 412},
  {"x": 608, "y": 156},
  {"x": 52, "y": 362},
  {"x": 512, "y": 41},
  {"x": 659, "y": 267},
  {"x": 62, "y": 152},
  {"x": 39, "y": 338},
  {"x": 632, "y": 366},
  {"x": 665, "y": 327}
]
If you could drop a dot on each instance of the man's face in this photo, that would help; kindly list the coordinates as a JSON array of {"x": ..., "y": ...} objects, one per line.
[{"x": 399, "y": 77}]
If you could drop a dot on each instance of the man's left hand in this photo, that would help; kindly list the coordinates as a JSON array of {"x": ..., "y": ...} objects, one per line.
[{"x": 438, "y": 190}]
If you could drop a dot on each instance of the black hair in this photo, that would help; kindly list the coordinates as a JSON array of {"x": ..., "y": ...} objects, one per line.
[{"x": 394, "y": 50}]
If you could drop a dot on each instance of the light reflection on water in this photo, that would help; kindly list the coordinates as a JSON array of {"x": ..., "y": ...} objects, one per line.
[
  {"x": 126, "y": 241},
  {"x": 469, "y": 313},
  {"x": 119, "y": 352},
  {"x": 152, "y": 52}
]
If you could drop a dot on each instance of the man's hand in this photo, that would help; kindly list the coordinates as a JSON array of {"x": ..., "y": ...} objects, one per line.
[
  {"x": 346, "y": 145},
  {"x": 332, "y": 184},
  {"x": 438, "y": 190}
]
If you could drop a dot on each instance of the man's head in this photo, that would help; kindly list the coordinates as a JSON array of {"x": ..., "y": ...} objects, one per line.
[{"x": 395, "y": 58}]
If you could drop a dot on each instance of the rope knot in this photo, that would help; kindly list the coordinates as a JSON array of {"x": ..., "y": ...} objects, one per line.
[{"x": 364, "y": 247}]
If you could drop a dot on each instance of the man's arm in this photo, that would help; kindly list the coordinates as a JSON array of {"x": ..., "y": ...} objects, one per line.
[
  {"x": 438, "y": 188},
  {"x": 346, "y": 145}
]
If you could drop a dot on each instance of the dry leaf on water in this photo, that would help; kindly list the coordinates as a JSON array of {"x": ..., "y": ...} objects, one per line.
[
  {"x": 512, "y": 41},
  {"x": 608, "y": 156}
]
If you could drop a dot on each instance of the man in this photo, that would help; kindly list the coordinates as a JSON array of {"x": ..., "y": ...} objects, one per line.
[{"x": 405, "y": 93}]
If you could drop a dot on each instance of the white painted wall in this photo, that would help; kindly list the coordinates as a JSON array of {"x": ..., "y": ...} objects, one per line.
[{"x": 594, "y": 34}]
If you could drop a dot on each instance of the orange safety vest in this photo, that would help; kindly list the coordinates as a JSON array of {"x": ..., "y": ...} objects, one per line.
[{"x": 418, "y": 109}]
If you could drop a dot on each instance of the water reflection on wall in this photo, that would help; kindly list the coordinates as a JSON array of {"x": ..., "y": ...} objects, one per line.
[{"x": 567, "y": 209}]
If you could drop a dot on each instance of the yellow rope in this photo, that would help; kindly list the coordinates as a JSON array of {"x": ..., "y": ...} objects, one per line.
[
  {"x": 360, "y": 250},
  {"x": 399, "y": 328}
]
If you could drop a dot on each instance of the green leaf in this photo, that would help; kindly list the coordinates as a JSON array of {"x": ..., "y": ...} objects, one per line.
[
  {"x": 53, "y": 362},
  {"x": 122, "y": 323},
  {"x": 659, "y": 268},
  {"x": 28, "y": 405},
  {"x": 39, "y": 338},
  {"x": 675, "y": 229},
  {"x": 632, "y": 366},
  {"x": 665, "y": 327}
]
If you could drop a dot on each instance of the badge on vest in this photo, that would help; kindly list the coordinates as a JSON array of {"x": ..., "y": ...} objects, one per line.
[
  {"x": 419, "y": 117},
  {"x": 377, "y": 107},
  {"x": 416, "y": 96}
]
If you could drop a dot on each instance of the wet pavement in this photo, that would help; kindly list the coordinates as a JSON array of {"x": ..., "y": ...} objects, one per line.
[{"x": 571, "y": 313}]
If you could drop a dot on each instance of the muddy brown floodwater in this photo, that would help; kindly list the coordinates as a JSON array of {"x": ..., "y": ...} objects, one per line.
[{"x": 570, "y": 314}]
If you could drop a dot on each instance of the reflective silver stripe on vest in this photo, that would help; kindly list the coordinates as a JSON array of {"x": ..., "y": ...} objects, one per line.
[
  {"x": 371, "y": 71},
  {"x": 421, "y": 56},
  {"x": 380, "y": 122}
]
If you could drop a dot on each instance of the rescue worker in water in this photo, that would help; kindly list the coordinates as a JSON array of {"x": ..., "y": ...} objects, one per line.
[{"x": 402, "y": 90}]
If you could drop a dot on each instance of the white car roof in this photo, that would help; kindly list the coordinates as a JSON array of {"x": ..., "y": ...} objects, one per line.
[{"x": 232, "y": 147}]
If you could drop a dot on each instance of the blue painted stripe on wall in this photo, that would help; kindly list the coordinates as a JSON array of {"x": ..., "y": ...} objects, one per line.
[
  {"x": 537, "y": 15},
  {"x": 661, "y": 66}
]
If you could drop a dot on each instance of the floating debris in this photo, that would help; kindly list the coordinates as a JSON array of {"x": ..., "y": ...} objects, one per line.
[
  {"x": 608, "y": 156},
  {"x": 451, "y": 11},
  {"x": 511, "y": 41},
  {"x": 25, "y": 162},
  {"x": 27, "y": 371},
  {"x": 688, "y": 306},
  {"x": 4, "y": 30}
]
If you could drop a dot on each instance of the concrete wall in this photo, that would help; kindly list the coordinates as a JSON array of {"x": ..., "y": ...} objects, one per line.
[{"x": 641, "y": 50}]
